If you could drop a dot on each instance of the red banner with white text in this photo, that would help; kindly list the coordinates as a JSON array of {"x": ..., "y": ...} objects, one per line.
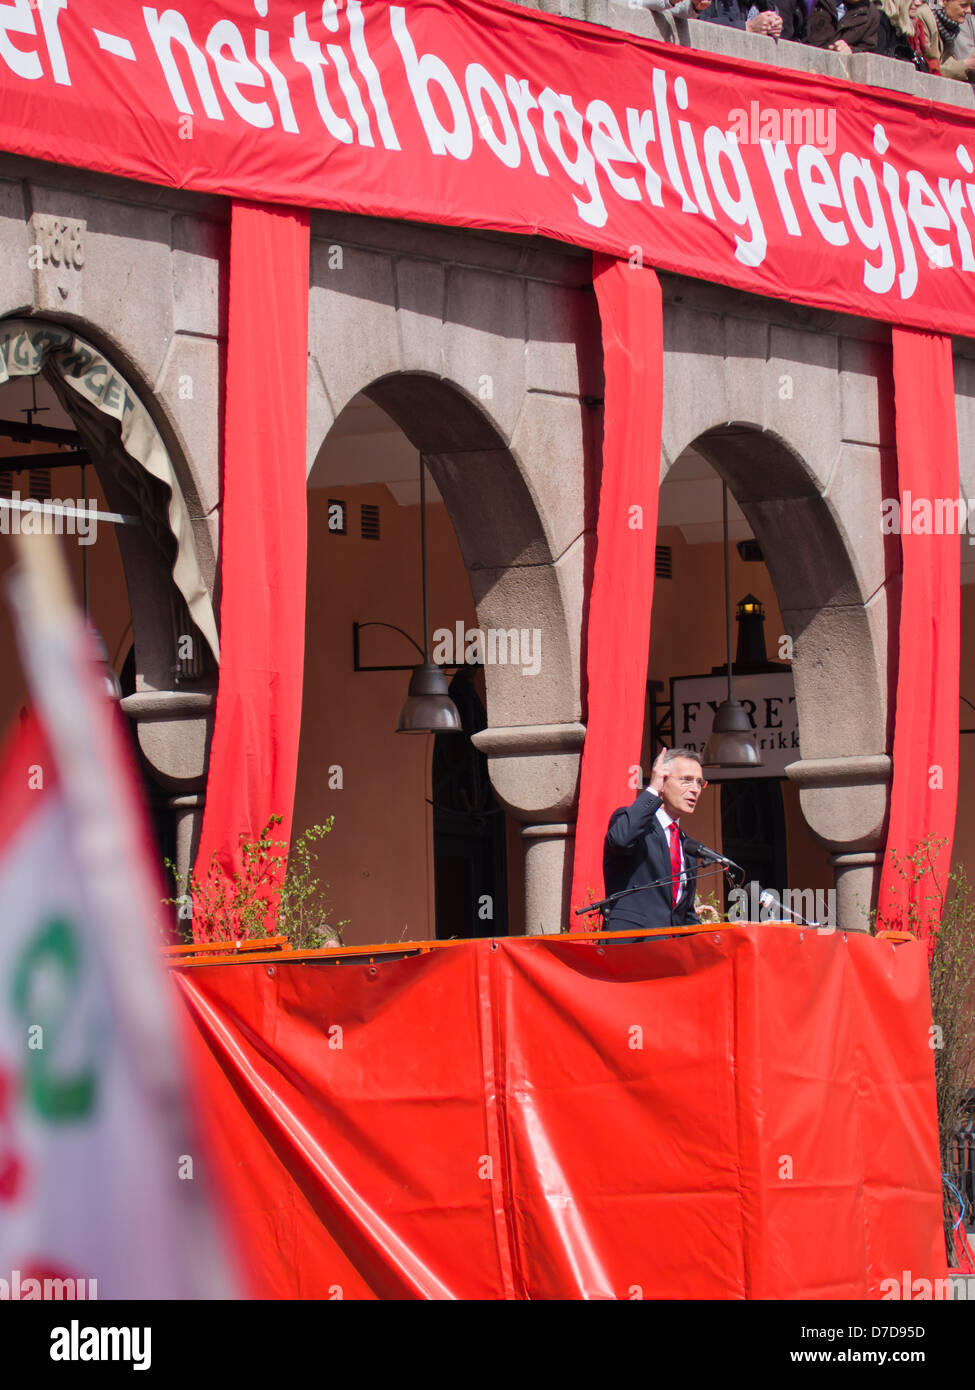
[{"x": 482, "y": 114}]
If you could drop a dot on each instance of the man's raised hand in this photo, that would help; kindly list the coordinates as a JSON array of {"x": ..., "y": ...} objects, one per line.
[{"x": 658, "y": 774}]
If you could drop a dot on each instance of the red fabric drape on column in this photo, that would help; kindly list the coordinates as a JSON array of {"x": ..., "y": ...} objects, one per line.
[
  {"x": 618, "y": 629},
  {"x": 924, "y": 792},
  {"x": 254, "y": 751}
]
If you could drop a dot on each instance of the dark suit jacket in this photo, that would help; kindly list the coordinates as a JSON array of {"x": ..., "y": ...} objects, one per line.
[
  {"x": 637, "y": 851},
  {"x": 860, "y": 25}
]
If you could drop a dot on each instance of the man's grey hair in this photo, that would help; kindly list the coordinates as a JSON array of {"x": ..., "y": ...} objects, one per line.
[
  {"x": 669, "y": 757},
  {"x": 672, "y": 754}
]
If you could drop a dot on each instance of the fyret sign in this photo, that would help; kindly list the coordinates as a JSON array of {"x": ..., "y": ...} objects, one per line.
[{"x": 770, "y": 701}]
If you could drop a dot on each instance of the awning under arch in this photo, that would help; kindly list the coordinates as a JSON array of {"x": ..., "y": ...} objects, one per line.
[{"x": 95, "y": 394}]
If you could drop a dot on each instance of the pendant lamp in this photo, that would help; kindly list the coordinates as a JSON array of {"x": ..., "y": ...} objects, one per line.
[
  {"x": 428, "y": 708},
  {"x": 732, "y": 742}
]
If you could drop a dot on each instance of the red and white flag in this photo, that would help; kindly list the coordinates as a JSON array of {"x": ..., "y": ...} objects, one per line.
[{"x": 102, "y": 1189}]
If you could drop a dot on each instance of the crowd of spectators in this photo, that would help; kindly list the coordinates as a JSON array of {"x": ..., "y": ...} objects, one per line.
[{"x": 938, "y": 38}]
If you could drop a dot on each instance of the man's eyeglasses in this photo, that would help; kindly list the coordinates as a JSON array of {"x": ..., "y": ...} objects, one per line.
[{"x": 698, "y": 782}]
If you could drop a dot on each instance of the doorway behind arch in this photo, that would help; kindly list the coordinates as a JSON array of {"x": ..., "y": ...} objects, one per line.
[
  {"x": 35, "y": 470},
  {"x": 419, "y": 848},
  {"x": 758, "y": 822}
]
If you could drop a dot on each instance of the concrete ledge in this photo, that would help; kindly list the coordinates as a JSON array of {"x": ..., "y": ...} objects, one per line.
[
  {"x": 866, "y": 69},
  {"x": 533, "y": 258}
]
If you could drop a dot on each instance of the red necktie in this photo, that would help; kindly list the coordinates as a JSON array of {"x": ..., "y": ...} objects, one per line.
[{"x": 675, "y": 858}]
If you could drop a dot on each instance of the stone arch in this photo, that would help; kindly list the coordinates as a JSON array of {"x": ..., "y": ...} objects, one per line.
[
  {"x": 839, "y": 660},
  {"x": 167, "y": 585},
  {"x": 125, "y": 444},
  {"x": 534, "y": 737},
  {"x": 484, "y": 354},
  {"x": 501, "y": 534}
]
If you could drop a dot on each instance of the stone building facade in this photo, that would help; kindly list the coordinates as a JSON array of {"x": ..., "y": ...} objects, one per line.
[{"x": 791, "y": 406}]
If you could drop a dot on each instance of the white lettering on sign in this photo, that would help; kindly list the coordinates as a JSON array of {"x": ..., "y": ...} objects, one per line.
[
  {"x": 636, "y": 158},
  {"x": 24, "y": 60},
  {"x": 770, "y": 703}
]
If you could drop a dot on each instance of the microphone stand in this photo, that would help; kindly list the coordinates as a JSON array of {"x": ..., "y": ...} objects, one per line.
[
  {"x": 604, "y": 905},
  {"x": 767, "y": 898}
]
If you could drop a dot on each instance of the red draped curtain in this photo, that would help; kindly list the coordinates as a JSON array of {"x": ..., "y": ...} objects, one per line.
[
  {"x": 618, "y": 626},
  {"x": 924, "y": 789},
  {"x": 254, "y": 750}
]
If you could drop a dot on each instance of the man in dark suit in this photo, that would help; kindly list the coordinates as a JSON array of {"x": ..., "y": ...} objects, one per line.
[{"x": 644, "y": 844}]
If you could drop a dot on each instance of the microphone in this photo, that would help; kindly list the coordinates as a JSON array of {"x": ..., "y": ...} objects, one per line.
[
  {"x": 710, "y": 856},
  {"x": 770, "y": 900}
]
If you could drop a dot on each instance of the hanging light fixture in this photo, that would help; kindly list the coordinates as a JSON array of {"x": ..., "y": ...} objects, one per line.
[
  {"x": 428, "y": 708},
  {"x": 732, "y": 743}
]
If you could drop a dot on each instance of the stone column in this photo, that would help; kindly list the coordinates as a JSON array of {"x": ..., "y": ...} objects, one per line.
[
  {"x": 187, "y": 813},
  {"x": 844, "y": 801},
  {"x": 173, "y": 728},
  {"x": 534, "y": 769},
  {"x": 857, "y": 877},
  {"x": 548, "y": 876}
]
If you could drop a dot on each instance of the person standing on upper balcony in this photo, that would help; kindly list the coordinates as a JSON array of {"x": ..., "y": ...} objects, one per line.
[
  {"x": 680, "y": 10},
  {"x": 741, "y": 14},
  {"x": 949, "y": 18},
  {"x": 901, "y": 35},
  {"x": 926, "y": 34},
  {"x": 965, "y": 38},
  {"x": 795, "y": 22},
  {"x": 850, "y": 27}
]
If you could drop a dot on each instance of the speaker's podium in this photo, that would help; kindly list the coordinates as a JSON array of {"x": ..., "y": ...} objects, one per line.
[{"x": 733, "y": 1112}]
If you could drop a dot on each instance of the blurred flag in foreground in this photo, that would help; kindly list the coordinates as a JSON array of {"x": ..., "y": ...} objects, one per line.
[{"x": 101, "y": 1183}]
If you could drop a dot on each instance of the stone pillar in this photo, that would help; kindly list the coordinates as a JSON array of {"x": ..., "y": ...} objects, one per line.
[
  {"x": 173, "y": 728},
  {"x": 548, "y": 875},
  {"x": 187, "y": 813},
  {"x": 857, "y": 876},
  {"x": 534, "y": 769},
  {"x": 844, "y": 801}
]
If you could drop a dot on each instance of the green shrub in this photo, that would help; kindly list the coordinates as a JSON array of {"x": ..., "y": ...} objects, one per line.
[{"x": 272, "y": 894}]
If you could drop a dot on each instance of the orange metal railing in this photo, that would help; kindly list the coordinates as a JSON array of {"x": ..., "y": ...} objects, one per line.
[{"x": 276, "y": 948}]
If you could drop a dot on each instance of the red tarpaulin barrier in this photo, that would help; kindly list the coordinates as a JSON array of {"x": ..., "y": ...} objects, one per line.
[
  {"x": 475, "y": 113},
  {"x": 738, "y": 1113},
  {"x": 254, "y": 751},
  {"x": 924, "y": 790},
  {"x": 618, "y": 623}
]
